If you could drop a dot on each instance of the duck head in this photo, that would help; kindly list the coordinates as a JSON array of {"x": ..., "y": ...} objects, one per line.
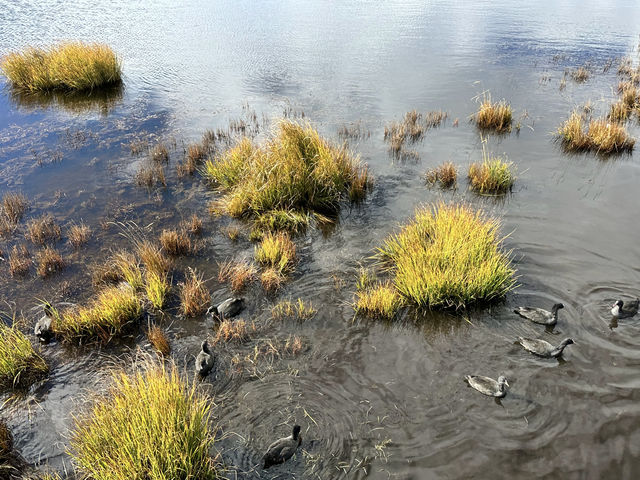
[
  {"x": 556, "y": 307},
  {"x": 502, "y": 381},
  {"x": 296, "y": 432}
]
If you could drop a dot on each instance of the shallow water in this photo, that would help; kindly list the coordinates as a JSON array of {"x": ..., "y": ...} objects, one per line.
[{"x": 375, "y": 400}]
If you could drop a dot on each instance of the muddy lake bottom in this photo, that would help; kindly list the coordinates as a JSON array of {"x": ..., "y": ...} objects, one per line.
[{"x": 375, "y": 399}]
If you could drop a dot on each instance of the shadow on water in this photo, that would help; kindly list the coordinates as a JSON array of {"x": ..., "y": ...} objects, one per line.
[{"x": 102, "y": 100}]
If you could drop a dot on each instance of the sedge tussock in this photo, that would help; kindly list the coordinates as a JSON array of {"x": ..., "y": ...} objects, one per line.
[
  {"x": 238, "y": 273},
  {"x": 20, "y": 364},
  {"x": 194, "y": 295}
]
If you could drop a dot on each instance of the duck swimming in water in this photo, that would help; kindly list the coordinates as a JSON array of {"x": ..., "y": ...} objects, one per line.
[
  {"x": 283, "y": 449},
  {"x": 543, "y": 348},
  {"x": 539, "y": 315},
  {"x": 204, "y": 360},
  {"x": 488, "y": 386},
  {"x": 42, "y": 329},
  {"x": 228, "y": 308},
  {"x": 625, "y": 310}
]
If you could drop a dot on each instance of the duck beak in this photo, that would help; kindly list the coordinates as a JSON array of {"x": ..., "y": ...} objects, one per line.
[{"x": 507, "y": 383}]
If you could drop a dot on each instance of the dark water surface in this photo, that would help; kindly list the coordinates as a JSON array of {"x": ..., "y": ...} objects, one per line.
[{"x": 375, "y": 400}]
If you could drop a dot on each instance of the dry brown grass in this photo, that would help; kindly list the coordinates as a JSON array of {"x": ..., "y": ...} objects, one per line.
[
  {"x": 159, "y": 153},
  {"x": 271, "y": 279},
  {"x": 19, "y": 260},
  {"x": 79, "y": 234},
  {"x": 600, "y": 135},
  {"x": 628, "y": 71},
  {"x": 193, "y": 225},
  {"x": 14, "y": 205},
  {"x": 149, "y": 175},
  {"x": 580, "y": 75},
  {"x": 494, "y": 116},
  {"x": 239, "y": 274},
  {"x": 446, "y": 174},
  {"x": 234, "y": 331},
  {"x": 194, "y": 295},
  {"x": 411, "y": 128},
  {"x": 196, "y": 152},
  {"x": 121, "y": 266},
  {"x": 158, "y": 338},
  {"x": 619, "y": 112},
  {"x": 49, "y": 262},
  {"x": 43, "y": 230},
  {"x": 6, "y": 227},
  {"x": 187, "y": 167},
  {"x": 175, "y": 242},
  {"x": 152, "y": 257},
  {"x": 232, "y": 232}
]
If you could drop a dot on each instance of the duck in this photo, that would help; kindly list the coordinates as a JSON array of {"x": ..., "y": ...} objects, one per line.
[
  {"x": 204, "y": 360},
  {"x": 543, "y": 348},
  {"x": 227, "y": 309},
  {"x": 539, "y": 315},
  {"x": 488, "y": 386},
  {"x": 283, "y": 449},
  {"x": 625, "y": 310},
  {"x": 42, "y": 329}
]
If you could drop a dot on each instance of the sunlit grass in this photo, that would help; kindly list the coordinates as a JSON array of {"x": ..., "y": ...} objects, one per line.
[
  {"x": 238, "y": 273},
  {"x": 151, "y": 425},
  {"x": 381, "y": 300},
  {"x": 299, "y": 309},
  {"x": 194, "y": 295},
  {"x": 49, "y": 262},
  {"x": 599, "y": 135},
  {"x": 448, "y": 256},
  {"x": 156, "y": 287},
  {"x": 445, "y": 173},
  {"x": 492, "y": 176},
  {"x": 110, "y": 313},
  {"x": 14, "y": 204},
  {"x": 496, "y": 116},
  {"x": 158, "y": 338},
  {"x": 276, "y": 251},
  {"x": 296, "y": 171},
  {"x": 234, "y": 331},
  {"x": 20, "y": 364},
  {"x": 65, "y": 66}
]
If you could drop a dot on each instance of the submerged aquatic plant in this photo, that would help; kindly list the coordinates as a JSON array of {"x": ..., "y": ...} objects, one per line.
[
  {"x": 66, "y": 66},
  {"x": 295, "y": 171},
  {"x": 447, "y": 256},
  {"x": 151, "y": 425},
  {"x": 20, "y": 364}
]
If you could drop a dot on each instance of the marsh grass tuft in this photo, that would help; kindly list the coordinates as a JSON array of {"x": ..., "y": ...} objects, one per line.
[
  {"x": 580, "y": 74},
  {"x": 446, "y": 174},
  {"x": 150, "y": 175},
  {"x": 296, "y": 170},
  {"x": 66, "y": 66},
  {"x": 150, "y": 425},
  {"x": 79, "y": 234},
  {"x": 493, "y": 176},
  {"x": 19, "y": 260},
  {"x": 448, "y": 256},
  {"x": 411, "y": 128},
  {"x": 158, "y": 338},
  {"x": 121, "y": 266},
  {"x": 299, "y": 309},
  {"x": 159, "y": 153},
  {"x": 152, "y": 256},
  {"x": 234, "y": 331},
  {"x": 43, "y": 230},
  {"x": 271, "y": 279},
  {"x": 599, "y": 135},
  {"x": 20, "y": 364},
  {"x": 49, "y": 262},
  {"x": 113, "y": 311},
  {"x": 494, "y": 116},
  {"x": 276, "y": 251},
  {"x": 175, "y": 242},
  {"x": 156, "y": 287},
  {"x": 381, "y": 300},
  {"x": 194, "y": 295},
  {"x": 193, "y": 225},
  {"x": 238, "y": 273},
  {"x": 14, "y": 205}
]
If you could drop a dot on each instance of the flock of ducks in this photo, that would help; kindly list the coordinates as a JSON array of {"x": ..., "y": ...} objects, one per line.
[{"x": 498, "y": 388}]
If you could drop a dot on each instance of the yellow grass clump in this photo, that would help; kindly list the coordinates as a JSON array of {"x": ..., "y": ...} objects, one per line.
[
  {"x": 20, "y": 364},
  {"x": 494, "y": 116},
  {"x": 234, "y": 331},
  {"x": 492, "y": 176},
  {"x": 19, "y": 260},
  {"x": 157, "y": 287},
  {"x": 239, "y": 274},
  {"x": 600, "y": 135},
  {"x": 381, "y": 300},
  {"x": 276, "y": 251},
  {"x": 150, "y": 425},
  {"x": 66, "y": 66},
  {"x": 271, "y": 279},
  {"x": 296, "y": 170},
  {"x": 49, "y": 262},
  {"x": 175, "y": 242},
  {"x": 43, "y": 229},
  {"x": 446, "y": 174},
  {"x": 152, "y": 257},
  {"x": 13, "y": 206},
  {"x": 298, "y": 309},
  {"x": 194, "y": 295},
  {"x": 79, "y": 234},
  {"x": 109, "y": 314},
  {"x": 447, "y": 256}
]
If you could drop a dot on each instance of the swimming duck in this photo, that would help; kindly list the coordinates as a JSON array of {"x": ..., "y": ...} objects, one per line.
[
  {"x": 539, "y": 315},
  {"x": 42, "y": 329},
  {"x": 283, "y": 449},
  {"x": 488, "y": 386},
  {"x": 624, "y": 310},
  {"x": 543, "y": 348},
  {"x": 227, "y": 309},
  {"x": 204, "y": 360}
]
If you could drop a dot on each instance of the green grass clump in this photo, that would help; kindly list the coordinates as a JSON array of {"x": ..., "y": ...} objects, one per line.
[
  {"x": 492, "y": 176},
  {"x": 289, "y": 309},
  {"x": 67, "y": 66},
  {"x": 381, "y": 300},
  {"x": 151, "y": 425},
  {"x": 276, "y": 251},
  {"x": 110, "y": 313},
  {"x": 20, "y": 365},
  {"x": 296, "y": 171},
  {"x": 157, "y": 287},
  {"x": 448, "y": 256}
]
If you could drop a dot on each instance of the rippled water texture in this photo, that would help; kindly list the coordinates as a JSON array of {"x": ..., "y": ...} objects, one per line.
[{"x": 375, "y": 400}]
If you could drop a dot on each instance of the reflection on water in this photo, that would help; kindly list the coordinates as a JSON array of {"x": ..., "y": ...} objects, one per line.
[{"x": 376, "y": 400}]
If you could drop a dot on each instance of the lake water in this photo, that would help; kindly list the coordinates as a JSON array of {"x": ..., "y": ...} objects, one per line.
[{"x": 375, "y": 400}]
